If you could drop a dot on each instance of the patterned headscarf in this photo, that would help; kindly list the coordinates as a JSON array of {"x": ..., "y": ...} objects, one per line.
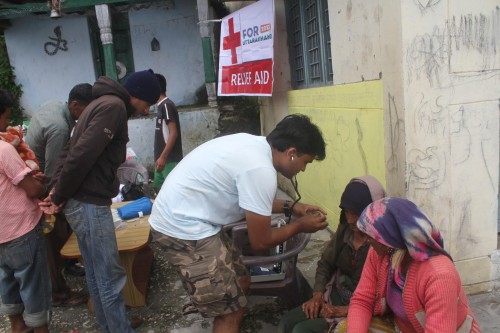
[{"x": 401, "y": 225}]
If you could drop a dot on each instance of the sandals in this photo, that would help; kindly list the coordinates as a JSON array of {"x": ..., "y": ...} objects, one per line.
[
  {"x": 136, "y": 322},
  {"x": 188, "y": 308},
  {"x": 73, "y": 299}
]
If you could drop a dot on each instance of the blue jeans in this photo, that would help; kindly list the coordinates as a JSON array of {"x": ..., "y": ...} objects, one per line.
[
  {"x": 24, "y": 278},
  {"x": 95, "y": 231}
]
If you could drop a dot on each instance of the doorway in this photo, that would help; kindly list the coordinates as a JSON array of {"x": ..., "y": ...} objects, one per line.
[{"x": 122, "y": 43}]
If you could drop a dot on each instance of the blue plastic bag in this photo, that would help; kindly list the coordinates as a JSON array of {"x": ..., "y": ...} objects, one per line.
[{"x": 137, "y": 208}]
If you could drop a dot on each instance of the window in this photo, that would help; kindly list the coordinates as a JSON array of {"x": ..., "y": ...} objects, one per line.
[{"x": 309, "y": 43}]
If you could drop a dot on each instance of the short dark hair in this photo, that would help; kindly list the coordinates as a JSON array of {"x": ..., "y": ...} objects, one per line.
[
  {"x": 298, "y": 131},
  {"x": 6, "y": 100},
  {"x": 81, "y": 93},
  {"x": 163, "y": 83}
]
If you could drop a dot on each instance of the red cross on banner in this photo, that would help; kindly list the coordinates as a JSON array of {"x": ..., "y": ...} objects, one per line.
[
  {"x": 232, "y": 41},
  {"x": 247, "y": 50}
]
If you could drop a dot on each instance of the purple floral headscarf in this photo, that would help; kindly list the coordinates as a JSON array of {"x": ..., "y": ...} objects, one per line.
[{"x": 401, "y": 225}]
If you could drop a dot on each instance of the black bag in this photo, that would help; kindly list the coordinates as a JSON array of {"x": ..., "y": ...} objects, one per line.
[{"x": 131, "y": 191}]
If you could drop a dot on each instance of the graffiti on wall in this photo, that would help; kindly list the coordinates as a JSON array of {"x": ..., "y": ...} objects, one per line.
[
  {"x": 475, "y": 41},
  {"x": 396, "y": 134},
  {"x": 426, "y": 57},
  {"x": 451, "y": 117},
  {"x": 152, "y": 28},
  {"x": 470, "y": 133},
  {"x": 462, "y": 131},
  {"x": 466, "y": 43},
  {"x": 426, "y": 168},
  {"x": 56, "y": 44},
  {"x": 425, "y": 5},
  {"x": 430, "y": 115}
]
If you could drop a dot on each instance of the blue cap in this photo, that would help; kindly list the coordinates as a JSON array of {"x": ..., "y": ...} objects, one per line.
[{"x": 143, "y": 85}]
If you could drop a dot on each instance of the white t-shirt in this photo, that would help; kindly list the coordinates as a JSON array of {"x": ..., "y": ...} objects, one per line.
[{"x": 213, "y": 185}]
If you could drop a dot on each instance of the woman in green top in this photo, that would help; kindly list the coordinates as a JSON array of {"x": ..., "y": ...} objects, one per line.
[{"x": 340, "y": 266}]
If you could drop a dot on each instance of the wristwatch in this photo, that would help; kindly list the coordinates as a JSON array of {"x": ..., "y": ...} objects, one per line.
[{"x": 286, "y": 208}]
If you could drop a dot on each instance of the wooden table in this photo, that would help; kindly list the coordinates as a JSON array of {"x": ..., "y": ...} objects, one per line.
[{"x": 135, "y": 254}]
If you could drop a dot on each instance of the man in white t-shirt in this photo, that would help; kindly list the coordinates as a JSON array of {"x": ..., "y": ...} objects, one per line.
[{"x": 223, "y": 181}]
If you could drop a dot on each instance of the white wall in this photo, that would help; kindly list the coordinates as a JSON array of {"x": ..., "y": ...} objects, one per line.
[
  {"x": 43, "y": 76},
  {"x": 198, "y": 125},
  {"x": 180, "y": 58},
  {"x": 367, "y": 45},
  {"x": 355, "y": 38},
  {"x": 275, "y": 108},
  {"x": 452, "y": 81},
  {"x": 439, "y": 62}
]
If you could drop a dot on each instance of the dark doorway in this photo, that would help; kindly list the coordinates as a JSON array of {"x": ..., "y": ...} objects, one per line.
[{"x": 121, "y": 41}]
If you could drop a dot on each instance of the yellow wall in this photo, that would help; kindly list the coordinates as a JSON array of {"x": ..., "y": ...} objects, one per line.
[{"x": 351, "y": 119}]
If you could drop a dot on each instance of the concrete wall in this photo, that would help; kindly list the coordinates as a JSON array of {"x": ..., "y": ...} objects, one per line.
[
  {"x": 439, "y": 65},
  {"x": 274, "y": 108},
  {"x": 351, "y": 118},
  {"x": 45, "y": 76},
  {"x": 180, "y": 58},
  {"x": 353, "y": 32},
  {"x": 452, "y": 80},
  {"x": 198, "y": 125},
  {"x": 367, "y": 45}
]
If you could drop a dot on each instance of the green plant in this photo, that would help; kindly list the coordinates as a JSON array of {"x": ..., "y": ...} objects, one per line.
[{"x": 8, "y": 82}]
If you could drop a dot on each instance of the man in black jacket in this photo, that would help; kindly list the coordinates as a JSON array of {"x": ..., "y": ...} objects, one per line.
[
  {"x": 48, "y": 134},
  {"x": 87, "y": 180}
]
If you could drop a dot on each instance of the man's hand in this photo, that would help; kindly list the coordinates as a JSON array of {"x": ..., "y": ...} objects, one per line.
[
  {"x": 160, "y": 164},
  {"x": 313, "y": 306},
  {"x": 301, "y": 209},
  {"x": 39, "y": 176},
  {"x": 332, "y": 311},
  {"x": 312, "y": 223},
  {"x": 48, "y": 207}
]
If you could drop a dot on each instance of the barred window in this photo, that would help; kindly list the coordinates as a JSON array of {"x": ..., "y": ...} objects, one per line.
[{"x": 309, "y": 43}]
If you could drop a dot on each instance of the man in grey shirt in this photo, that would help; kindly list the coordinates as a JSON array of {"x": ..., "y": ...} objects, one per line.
[
  {"x": 48, "y": 134},
  {"x": 51, "y": 127}
]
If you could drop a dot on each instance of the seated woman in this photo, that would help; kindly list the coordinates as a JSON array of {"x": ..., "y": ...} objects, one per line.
[
  {"x": 340, "y": 266},
  {"x": 407, "y": 255}
]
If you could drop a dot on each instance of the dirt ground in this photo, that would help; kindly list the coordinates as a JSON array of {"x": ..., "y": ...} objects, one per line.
[
  {"x": 166, "y": 297},
  {"x": 163, "y": 311}
]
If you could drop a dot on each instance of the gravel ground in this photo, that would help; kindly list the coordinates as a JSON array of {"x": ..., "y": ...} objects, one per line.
[
  {"x": 166, "y": 297},
  {"x": 163, "y": 311}
]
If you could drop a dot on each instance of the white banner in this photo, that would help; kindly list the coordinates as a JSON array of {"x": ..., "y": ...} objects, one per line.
[{"x": 246, "y": 51}]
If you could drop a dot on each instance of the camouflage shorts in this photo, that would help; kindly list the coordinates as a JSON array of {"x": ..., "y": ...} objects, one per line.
[{"x": 209, "y": 269}]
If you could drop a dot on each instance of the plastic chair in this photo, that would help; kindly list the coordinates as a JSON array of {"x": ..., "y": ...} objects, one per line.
[
  {"x": 135, "y": 173},
  {"x": 292, "y": 289}
]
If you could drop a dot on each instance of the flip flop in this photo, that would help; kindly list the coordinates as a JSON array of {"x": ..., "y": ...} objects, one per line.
[
  {"x": 188, "y": 308},
  {"x": 136, "y": 322}
]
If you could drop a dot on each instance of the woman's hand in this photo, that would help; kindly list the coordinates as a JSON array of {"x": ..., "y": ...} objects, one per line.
[
  {"x": 313, "y": 306},
  {"x": 332, "y": 311}
]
